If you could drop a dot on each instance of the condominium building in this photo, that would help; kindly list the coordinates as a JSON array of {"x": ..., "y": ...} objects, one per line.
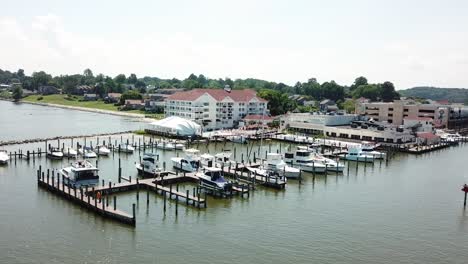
[
  {"x": 215, "y": 108},
  {"x": 395, "y": 112}
]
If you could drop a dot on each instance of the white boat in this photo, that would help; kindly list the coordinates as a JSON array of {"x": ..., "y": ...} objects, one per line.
[
  {"x": 149, "y": 165},
  {"x": 179, "y": 146},
  {"x": 266, "y": 174},
  {"x": 4, "y": 157},
  {"x": 207, "y": 160},
  {"x": 276, "y": 163},
  {"x": 330, "y": 164},
  {"x": 102, "y": 150},
  {"x": 302, "y": 158},
  {"x": 55, "y": 153},
  {"x": 223, "y": 159},
  {"x": 126, "y": 148},
  {"x": 213, "y": 178},
  {"x": 356, "y": 154},
  {"x": 375, "y": 154},
  {"x": 87, "y": 153},
  {"x": 80, "y": 173},
  {"x": 189, "y": 163},
  {"x": 166, "y": 145},
  {"x": 70, "y": 152}
]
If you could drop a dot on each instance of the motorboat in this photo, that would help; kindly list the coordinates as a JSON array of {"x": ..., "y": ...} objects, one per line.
[
  {"x": 238, "y": 139},
  {"x": 269, "y": 175},
  {"x": 55, "y": 153},
  {"x": 356, "y": 154},
  {"x": 276, "y": 163},
  {"x": 213, "y": 178},
  {"x": 330, "y": 164},
  {"x": 368, "y": 146},
  {"x": 4, "y": 157},
  {"x": 189, "y": 163},
  {"x": 87, "y": 153},
  {"x": 207, "y": 160},
  {"x": 126, "y": 148},
  {"x": 166, "y": 145},
  {"x": 302, "y": 158},
  {"x": 102, "y": 150},
  {"x": 80, "y": 173},
  {"x": 70, "y": 152},
  {"x": 375, "y": 154},
  {"x": 149, "y": 165},
  {"x": 223, "y": 159},
  {"x": 179, "y": 146}
]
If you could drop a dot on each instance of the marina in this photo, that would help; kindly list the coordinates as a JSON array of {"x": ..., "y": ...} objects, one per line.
[{"x": 399, "y": 190}]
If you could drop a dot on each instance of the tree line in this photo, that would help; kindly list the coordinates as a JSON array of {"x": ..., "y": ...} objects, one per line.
[{"x": 275, "y": 92}]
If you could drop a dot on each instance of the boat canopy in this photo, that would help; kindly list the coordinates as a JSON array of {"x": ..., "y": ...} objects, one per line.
[{"x": 176, "y": 125}]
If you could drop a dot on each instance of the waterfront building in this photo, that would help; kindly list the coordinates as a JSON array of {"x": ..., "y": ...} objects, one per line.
[
  {"x": 215, "y": 109},
  {"x": 443, "y": 115}
]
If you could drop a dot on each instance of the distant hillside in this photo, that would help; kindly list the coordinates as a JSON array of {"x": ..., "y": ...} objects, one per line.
[{"x": 454, "y": 95}]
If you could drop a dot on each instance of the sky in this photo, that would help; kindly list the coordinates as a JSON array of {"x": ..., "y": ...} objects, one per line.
[{"x": 408, "y": 42}]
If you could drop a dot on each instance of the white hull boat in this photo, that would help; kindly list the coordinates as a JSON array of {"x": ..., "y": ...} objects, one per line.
[
  {"x": 212, "y": 178},
  {"x": 304, "y": 160},
  {"x": 149, "y": 165},
  {"x": 87, "y": 153},
  {"x": 276, "y": 163},
  {"x": 80, "y": 173},
  {"x": 4, "y": 157},
  {"x": 55, "y": 153},
  {"x": 189, "y": 163},
  {"x": 102, "y": 150},
  {"x": 356, "y": 154},
  {"x": 166, "y": 146},
  {"x": 126, "y": 148},
  {"x": 70, "y": 152}
]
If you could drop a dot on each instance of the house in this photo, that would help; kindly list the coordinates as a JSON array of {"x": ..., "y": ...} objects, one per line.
[
  {"x": 154, "y": 106},
  {"x": 427, "y": 138},
  {"x": 299, "y": 99},
  {"x": 215, "y": 108},
  {"x": 83, "y": 89},
  {"x": 47, "y": 90},
  {"x": 132, "y": 104},
  {"x": 113, "y": 98},
  {"x": 90, "y": 97},
  {"x": 310, "y": 103},
  {"x": 419, "y": 124},
  {"x": 328, "y": 105},
  {"x": 5, "y": 87}
]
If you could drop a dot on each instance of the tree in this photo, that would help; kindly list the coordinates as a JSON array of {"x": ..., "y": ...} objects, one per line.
[
  {"x": 88, "y": 73},
  {"x": 40, "y": 78},
  {"x": 370, "y": 91},
  {"x": 132, "y": 94},
  {"x": 100, "y": 89},
  {"x": 331, "y": 90},
  {"x": 120, "y": 79},
  {"x": 69, "y": 83},
  {"x": 278, "y": 103},
  {"x": 20, "y": 74},
  {"x": 17, "y": 93},
  {"x": 388, "y": 92},
  {"x": 132, "y": 79},
  {"x": 358, "y": 82}
]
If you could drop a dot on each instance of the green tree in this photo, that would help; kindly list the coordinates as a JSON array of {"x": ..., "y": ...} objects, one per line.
[
  {"x": 388, "y": 92},
  {"x": 40, "y": 78},
  {"x": 358, "y": 82},
  {"x": 370, "y": 91},
  {"x": 17, "y": 93},
  {"x": 331, "y": 90},
  {"x": 132, "y": 94},
  {"x": 120, "y": 79},
  {"x": 88, "y": 73},
  {"x": 132, "y": 79},
  {"x": 278, "y": 103}
]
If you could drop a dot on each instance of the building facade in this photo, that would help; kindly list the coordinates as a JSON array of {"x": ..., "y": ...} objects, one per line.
[{"x": 215, "y": 108}]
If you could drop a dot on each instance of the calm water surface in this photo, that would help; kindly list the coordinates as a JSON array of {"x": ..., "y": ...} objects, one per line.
[
  {"x": 26, "y": 121},
  {"x": 407, "y": 212}
]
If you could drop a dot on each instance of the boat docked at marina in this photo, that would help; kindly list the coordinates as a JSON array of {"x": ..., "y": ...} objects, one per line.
[
  {"x": 165, "y": 145},
  {"x": 330, "y": 164},
  {"x": 80, "y": 173},
  {"x": 70, "y": 152},
  {"x": 370, "y": 149},
  {"x": 266, "y": 174},
  {"x": 237, "y": 139},
  {"x": 102, "y": 150},
  {"x": 87, "y": 153},
  {"x": 4, "y": 157},
  {"x": 275, "y": 163},
  {"x": 149, "y": 165},
  {"x": 126, "y": 148},
  {"x": 302, "y": 158},
  {"x": 356, "y": 154},
  {"x": 213, "y": 178},
  {"x": 54, "y": 153},
  {"x": 189, "y": 163}
]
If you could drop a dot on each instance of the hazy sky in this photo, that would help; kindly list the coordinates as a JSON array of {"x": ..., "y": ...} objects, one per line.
[{"x": 411, "y": 42}]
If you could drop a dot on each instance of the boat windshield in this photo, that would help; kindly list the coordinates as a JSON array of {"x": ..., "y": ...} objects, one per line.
[
  {"x": 216, "y": 176},
  {"x": 85, "y": 175}
]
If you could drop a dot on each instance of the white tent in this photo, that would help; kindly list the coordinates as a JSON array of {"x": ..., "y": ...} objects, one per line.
[{"x": 176, "y": 126}]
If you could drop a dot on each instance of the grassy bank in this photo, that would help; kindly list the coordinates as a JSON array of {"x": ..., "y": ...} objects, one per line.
[{"x": 62, "y": 99}]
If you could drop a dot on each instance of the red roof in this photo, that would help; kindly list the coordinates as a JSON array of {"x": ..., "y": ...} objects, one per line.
[
  {"x": 258, "y": 117},
  {"x": 419, "y": 118},
  {"x": 427, "y": 135},
  {"x": 218, "y": 94},
  {"x": 443, "y": 102}
]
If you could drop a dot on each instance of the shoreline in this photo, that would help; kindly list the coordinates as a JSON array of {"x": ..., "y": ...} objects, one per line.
[{"x": 86, "y": 109}]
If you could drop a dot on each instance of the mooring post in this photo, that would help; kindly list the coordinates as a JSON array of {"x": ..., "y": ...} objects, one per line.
[
  {"x": 115, "y": 202},
  {"x": 187, "y": 197},
  {"x": 205, "y": 199},
  {"x": 147, "y": 196},
  {"x": 465, "y": 190},
  {"x": 134, "y": 213},
  {"x": 177, "y": 205},
  {"x": 165, "y": 198}
]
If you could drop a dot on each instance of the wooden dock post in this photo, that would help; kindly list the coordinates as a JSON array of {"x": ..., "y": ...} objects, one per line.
[
  {"x": 165, "y": 198},
  {"x": 147, "y": 196},
  {"x": 187, "y": 197},
  {"x": 177, "y": 205},
  {"x": 465, "y": 190},
  {"x": 115, "y": 202},
  {"x": 134, "y": 214}
]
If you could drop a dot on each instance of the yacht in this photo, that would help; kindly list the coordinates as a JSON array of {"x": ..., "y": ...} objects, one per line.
[
  {"x": 272, "y": 176},
  {"x": 126, "y": 148},
  {"x": 224, "y": 158},
  {"x": 87, "y": 152},
  {"x": 70, "y": 152},
  {"x": 179, "y": 146},
  {"x": 102, "y": 150},
  {"x": 356, "y": 154},
  {"x": 330, "y": 164},
  {"x": 80, "y": 173},
  {"x": 207, "y": 160},
  {"x": 149, "y": 165},
  {"x": 213, "y": 178},
  {"x": 55, "y": 153},
  {"x": 303, "y": 159},
  {"x": 165, "y": 145},
  {"x": 4, "y": 157},
  {"x": 276, "y": 163},
  {"x": 189, "y": 163}
]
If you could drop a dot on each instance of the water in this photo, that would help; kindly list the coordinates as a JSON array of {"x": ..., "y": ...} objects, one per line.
[
  {"x": 26, "y": 121},
  {"x": 407, "y": 212}
]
